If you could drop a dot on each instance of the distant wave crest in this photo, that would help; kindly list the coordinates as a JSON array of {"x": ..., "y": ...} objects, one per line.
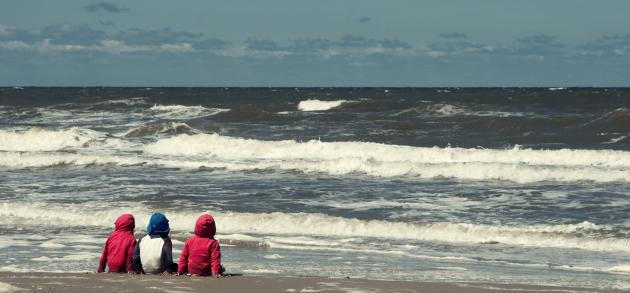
[
  {"x": 160, "y": 128},
  {"x": 183, "y": 112},
  {"x": 317, "y": 105}
]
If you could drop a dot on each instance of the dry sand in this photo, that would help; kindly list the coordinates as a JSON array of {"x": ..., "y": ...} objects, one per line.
[{"x": 90, "y": 282}]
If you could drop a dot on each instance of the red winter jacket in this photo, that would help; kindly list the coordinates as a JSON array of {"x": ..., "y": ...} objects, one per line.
[
  {"x": 118, "y": 250},
  {"x": 201, "y": 254}
]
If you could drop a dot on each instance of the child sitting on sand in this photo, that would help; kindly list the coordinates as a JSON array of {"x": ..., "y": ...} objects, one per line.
[
  {"x": 154, "y": 252},
  {"x": 201, "y": 255},
  {"x": 118, "y": 250}
]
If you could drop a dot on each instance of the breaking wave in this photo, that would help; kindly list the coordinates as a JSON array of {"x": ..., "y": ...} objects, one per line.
[
  {"x": 339, "y": 158},
  {"x": 126, "y": 102},
  {"x": 447, "y": 110},
  {"x": 213, "y": 151},
  {"x": 434, "y": 109},
  {"x": 617, "y": 120},
  {"x": 39, "y": 139},
  {"x": 160, "y": 128},
  {"x": 274, "y": 225},
  {"x": 317, "y": 105},
  {"x": 183, "y": 112}
]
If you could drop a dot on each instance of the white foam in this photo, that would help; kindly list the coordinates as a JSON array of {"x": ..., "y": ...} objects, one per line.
[
  {"x": 22, "y": 160},
  {"x": 339, "y": 158},
  {"x": 452, "y": 110},
  {"x": 283, "y": 229},
  {"x": 10, "y": 242},
  {"x": 273, "y": 256},
  {"x": 7, "y": 288},
  {"x": 183, "y": 112},
  {"x": 82, "y": 117},
  {"x": 260, "y": 271},
  {"x": 38, "y": 139},
  {"x": 616, "y": 139},
  {"x": 158, "y": 129},
  {"x": 623, "y": 269},
  {"x": 317, "y": 105},
  {"x": 452, "y": 268},
  {"x": 333, "y": 158},
  {"x": 21, "y": 269},
  {"x": 69, "y": 257},
  {"x": 42, "y": 259},
  {"x": 51, "y": 244},
  {"x": 16, "y": 269},
  {"x": 129, "y": 102},
  {"x": 445, "y": 109}
]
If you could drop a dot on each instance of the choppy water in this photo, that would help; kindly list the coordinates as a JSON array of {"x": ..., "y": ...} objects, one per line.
[{"x": 476, "y": 185}]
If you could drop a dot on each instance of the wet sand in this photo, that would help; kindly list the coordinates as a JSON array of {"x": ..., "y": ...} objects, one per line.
[{"x": 90, "y": 282}]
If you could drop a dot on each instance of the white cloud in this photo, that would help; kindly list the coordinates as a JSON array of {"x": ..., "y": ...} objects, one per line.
[
  {"x": 363, "y": 52},
  {"x": 117, "y": 47},
  {"x": 244, "y": 51},
  {"x": 621, "y": 51},
  {"x": 14, "y": 45},
  {"x": 4, "y": 30},
  {"x": 47, "y": 46},
  {"x": 436, "y": 54},
  {"x": 177, "y": 48},
  {"x": 104, "y": 46}
]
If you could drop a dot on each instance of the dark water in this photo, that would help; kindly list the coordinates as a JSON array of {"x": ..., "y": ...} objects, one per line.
[
  {"x": 461, "y": 184},
  {"x": 468, "y": 117}
]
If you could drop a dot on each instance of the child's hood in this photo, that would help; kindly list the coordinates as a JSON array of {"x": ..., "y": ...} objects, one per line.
[
  {"x": 205, "y": 226},
  {"x": 158, "y": 225},
  {"x": 125, "y": 222}
]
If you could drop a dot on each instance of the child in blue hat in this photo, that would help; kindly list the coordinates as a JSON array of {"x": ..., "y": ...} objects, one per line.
[{"x": 154, "y": 252}]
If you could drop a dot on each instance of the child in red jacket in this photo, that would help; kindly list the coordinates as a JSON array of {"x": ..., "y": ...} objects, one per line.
[
  {"x": 118, "y": 250},
  {"x": 201, "y": 255}
]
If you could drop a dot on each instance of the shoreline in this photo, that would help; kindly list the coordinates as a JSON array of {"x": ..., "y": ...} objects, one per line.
[{"x": 107, "y": 282}]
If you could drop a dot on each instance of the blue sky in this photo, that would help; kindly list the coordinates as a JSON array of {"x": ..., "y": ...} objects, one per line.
[{"x": 315, "y": 43}]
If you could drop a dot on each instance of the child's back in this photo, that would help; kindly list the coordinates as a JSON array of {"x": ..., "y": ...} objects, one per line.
[
  {"x": 118, "y": 250},
  {"x": 153, "y": 253},
  {"x": 201, "y": 254}
]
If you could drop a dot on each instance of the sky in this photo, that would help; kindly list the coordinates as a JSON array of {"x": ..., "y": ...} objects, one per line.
[{"x": 315, "y": 43}]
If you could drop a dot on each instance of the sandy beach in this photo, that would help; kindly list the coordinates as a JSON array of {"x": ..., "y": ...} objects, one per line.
[{"x": 90, "y": 282}]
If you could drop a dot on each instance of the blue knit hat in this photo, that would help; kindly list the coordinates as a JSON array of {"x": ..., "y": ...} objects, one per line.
[{"x": 158, "y": 225}]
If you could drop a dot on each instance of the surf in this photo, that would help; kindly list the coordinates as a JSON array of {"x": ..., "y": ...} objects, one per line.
[{"x": 279, "y": 228}]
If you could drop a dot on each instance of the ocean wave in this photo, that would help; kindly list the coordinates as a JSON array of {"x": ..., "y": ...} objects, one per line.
[
  {"x": 617, "y": 120},
  {"x": 623, "y": 269},
  {"x": 213, "y": 151},
  {"x": 340, "y": 158},
  {"x": 126, "y": 102},
  {"x": 183, "y": 112},
  {"x": 12, "y": 114},
  {"x": 317, "y": 105},
  {"x": 26, "y": 160},
  {"x": 447, "y": 110},
  {"x": 217, "y": 146},
  {"x": 160, "y": 128},
  {"x": 281, "y": 228},
  {"x": 39, "y": 139},
  {"x": 433, "y": 109},
  {"x": 616, "y": 139}
]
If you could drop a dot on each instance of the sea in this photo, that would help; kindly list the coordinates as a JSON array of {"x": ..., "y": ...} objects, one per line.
[{"x": 478, "y": 185}]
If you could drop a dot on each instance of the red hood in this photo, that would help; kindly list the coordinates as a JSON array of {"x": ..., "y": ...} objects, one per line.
[
  {"x": 205, "y": 227},
  {"x": 125, "y": 223}
]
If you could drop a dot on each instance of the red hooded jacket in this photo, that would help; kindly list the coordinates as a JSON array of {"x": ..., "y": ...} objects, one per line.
[
  {"x": 201, "y": 254},
  {"x": 118, "y": 250}
]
